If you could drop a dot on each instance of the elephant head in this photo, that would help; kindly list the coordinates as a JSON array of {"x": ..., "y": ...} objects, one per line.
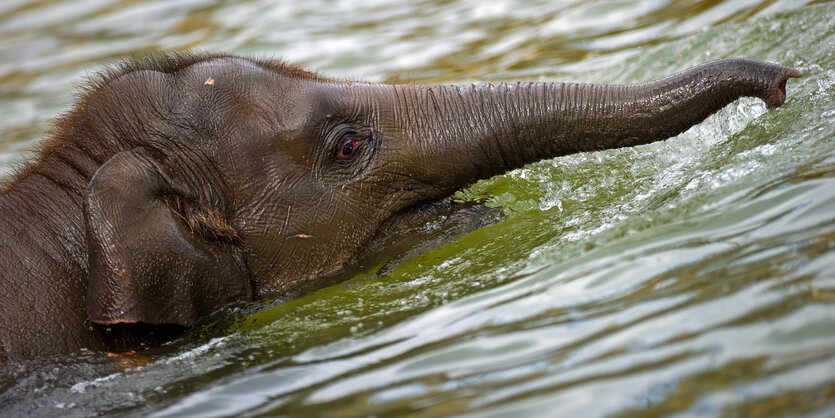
[{"x": 231, "y": 179}]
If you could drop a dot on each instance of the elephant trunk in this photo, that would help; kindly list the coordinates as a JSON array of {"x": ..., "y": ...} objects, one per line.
[{"x": 461, "y": 134}]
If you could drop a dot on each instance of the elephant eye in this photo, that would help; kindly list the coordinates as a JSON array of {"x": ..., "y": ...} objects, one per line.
[{"x": 349, "y": 146}]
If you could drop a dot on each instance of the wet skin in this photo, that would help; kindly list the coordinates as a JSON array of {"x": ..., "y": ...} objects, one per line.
[{"x": 180, "y": 185}]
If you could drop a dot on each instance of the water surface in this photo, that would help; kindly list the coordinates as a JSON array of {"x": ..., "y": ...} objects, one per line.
[{"x": 690, "y": 277}]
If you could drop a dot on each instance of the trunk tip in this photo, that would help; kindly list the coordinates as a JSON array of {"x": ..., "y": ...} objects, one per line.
[{"x": 775, "y": 94}]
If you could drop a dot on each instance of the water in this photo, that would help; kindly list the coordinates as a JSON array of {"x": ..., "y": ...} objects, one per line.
[{"x": 691, "y": 277}]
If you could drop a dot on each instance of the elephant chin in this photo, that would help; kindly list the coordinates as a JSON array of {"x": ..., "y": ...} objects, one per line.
[{"x": 409, "y": 233}]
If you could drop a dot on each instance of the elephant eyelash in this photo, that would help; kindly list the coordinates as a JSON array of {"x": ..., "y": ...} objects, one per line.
[
  {"x": 350, "y": 146},
  {"x": 348, "y": 138}
]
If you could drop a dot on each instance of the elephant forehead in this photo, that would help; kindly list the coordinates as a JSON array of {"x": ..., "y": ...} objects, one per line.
[
  {"x": 240, "y": 88},
  {"x": 211, "y": 97}
]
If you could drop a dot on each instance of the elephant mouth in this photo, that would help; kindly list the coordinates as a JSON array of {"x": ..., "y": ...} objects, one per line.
[{"x": 417, "y": 230}]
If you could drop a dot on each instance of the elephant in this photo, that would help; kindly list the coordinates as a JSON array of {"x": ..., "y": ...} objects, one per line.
[{"x": 182, "y": 184}]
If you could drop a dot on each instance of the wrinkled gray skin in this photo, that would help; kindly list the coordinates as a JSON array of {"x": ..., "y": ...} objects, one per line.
[{"x": 180, "y": 185}]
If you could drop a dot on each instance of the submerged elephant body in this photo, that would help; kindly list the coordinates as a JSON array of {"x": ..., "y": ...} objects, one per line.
[{"x": 180, "y": 185}]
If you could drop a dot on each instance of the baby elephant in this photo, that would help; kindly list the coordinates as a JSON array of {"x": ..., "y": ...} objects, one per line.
[{"x": 179, "y": 185}]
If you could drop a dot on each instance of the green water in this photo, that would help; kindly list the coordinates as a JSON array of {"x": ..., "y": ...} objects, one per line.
[{"x": 690, "y": 277}]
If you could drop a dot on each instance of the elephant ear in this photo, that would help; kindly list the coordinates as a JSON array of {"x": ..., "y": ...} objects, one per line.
[{"x": 153, "y": 257}]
